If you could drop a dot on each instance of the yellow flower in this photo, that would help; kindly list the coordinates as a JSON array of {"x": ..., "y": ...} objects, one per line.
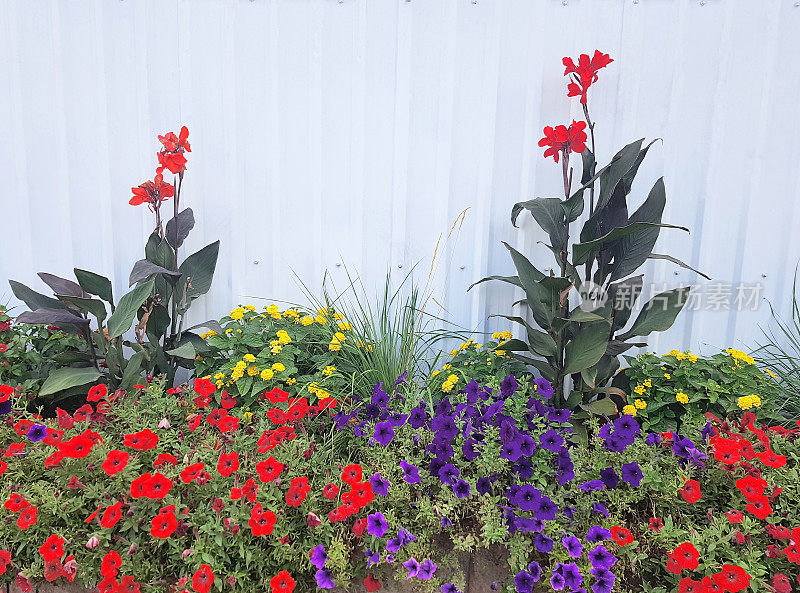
[
  {"x": 453, "y": 379},
  {"x": 500, "y": 352},
  {"x": 478, "y": 345},
  {"x": 745, "y": 402},
  {"x": 322, "y": 320},
  {"x": 322, "y": 394},
  {"x": 434, "y": 373},
  {"x": 328, "y": 371},
  {"x": 291, "y": 381},
  {"x": 312, "y": 387},
  {"x": 771, "y": 374},
  {"x": 247, "y": 416},
  {"x": 454, "y": 352},
  {"x": 445, "y": 367},
  {"x": 276, "y": 349},
  {"x": 344, "y": 326},
  {"x": 278, "y": 366},
  {"x": 447, "y": 386},
  {"x": 682, "y": 398},
  {"x": 241, "y": 365},
  {"x": 229, "y": 330},
  {"x": 307, "y": 320},
  {"x": 219, "y": 376},
  {"x": 283, "y": 336},
  {"x": 639, "y": 390},
  {"x": 692, "y": 357},
  {"x": 338, "y": 316},
  {"x": 629, "y": 410},
  {"x": 249, "y": 358},
  {"x": 740, "y": 356},
  {"x": 755, "y": 400},
  {"x": 267, "y": 374},
  {"x": 680, "y": 356},
  {"x": 237, "y": 313},
  {"x": 640, "y": 404},
  {"x": 291, "y": 314},
  {"x": 340, "y": 336},
  {"x": 249, "y": 308},
  {"x": 237, "y": 374},
  {"x": 497, "y": 335},
  {"x": 667, "y": 376},
  {"x": 252, "y": 371},
  {"x": 647, "y": 383}
]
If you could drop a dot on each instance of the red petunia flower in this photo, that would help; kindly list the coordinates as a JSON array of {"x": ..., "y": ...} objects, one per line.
[
  {"x": 282, "y": 582},
  {"x": 157, "y": 486},
  {"x": 83, "y": 413},
  {"x": 5, "y": 559},
  {"x": 352, "y": 474},
  {"x": 732, "y": 578},
  {"x": 563, "y": 140},
  {"x": 164, "y": 459},
  {"x": 689, "y": 585},
  {"x": 193, "y": 421},
  {"x": 690, "y": 491},
  {"x": 110, "y": 565},
  {"x": 759, "y": 507},
  {"x": 330, "y": 491},
  {"x": 163, "y": 525},
  {"x": 214, "y": 417},
  {"x": 228, "y": 423},
  {"x": 138, "y": 486},
  {"x": 97, "y": 393},
  {"x": 734, "y": 516},
  {"x": 276, "y": 395},
  {"x": 726, "y": 450},
  {"x": 686, "y": 556},
  {"x": 772, "y": 459},
  {"x": 5, "y": 392},
  {"x": 269, "y": 469},
  {"x": 621, "y": 535},
  {"x": 115, "y": 462},
  {"x": 584, "y": 74},
  {"x": 16, "y": 502},
  {"x": 261, "y": 521},
  {"x": 144, "y": 440},
  {"x": 278, "y": 416},
  {"x": 27, "y": 517},
  {"x": 52, "y": 570},
  {"x": 191, "y": 472},
  {"x": 228, "y": 463},
  {"x": 65, "y": 421},
  {"x": 52, "y": 548},
  {"x": 128, "y": 585},
  {"x": 226, "y": 400},
  {"x": 203, "y": 579},
  {"x": 371, "y": 584},
  {"x": 655, "y": 524},
  {"x": 295, "y": 497},
  {"x": 781, "y": 583},
  {"x": 250, "y": 490},
  {"x": 111, "y": 516},
  {"x": 360, "y": 526},
  {"x": 108, "y": 585},
  {"x": 204, "y": 387}
]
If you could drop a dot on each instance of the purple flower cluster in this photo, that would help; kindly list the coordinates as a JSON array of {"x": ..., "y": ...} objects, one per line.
[{"x": 620, "y": 434}]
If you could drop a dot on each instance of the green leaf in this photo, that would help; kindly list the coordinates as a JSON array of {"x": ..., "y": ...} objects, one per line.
[
  {"x": 93, "y": 306},
  {"x": 623, "y": 296},
  {"x": 509, "y": 279},
  {"x": 157, "y": 251},
  {"x": 678, "y": 262},
  {"x": 587, "y": 347},
  {"x": 185, "y": 350},
  {"x": 61, "y": 318},
  {"x": 548, "y": 372},
  {"x": 619, "y": 166},
  {"x": 144, "y": 269},
  {"x": 604, "y": 406},
  {"x": 581, "y": 251},
  {"x": 539, "y": 342},
  {"x": 61, "y": 379},
  {"x": 198, "y": 272},
  {"x": 133, "y": 370},
  {"x": 122, "y": 318},
  {"x": 573, "y": 207},
  {"x": 529, "y": 277},
  {"x": 548, "y": 214},
  {"x": 513, "y": 345},
  {"x": 176, "y": 234},
  {"x": 62, "y": 285},
  {"x": 588, "y": 162},
  {"x": 34, "y": 300},
  {"x": 659, "y": 313},
  {"x": 95, "y": 284}
]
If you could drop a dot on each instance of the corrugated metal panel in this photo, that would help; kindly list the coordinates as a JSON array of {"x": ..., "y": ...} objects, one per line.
[{"x": 357, "y": 131}]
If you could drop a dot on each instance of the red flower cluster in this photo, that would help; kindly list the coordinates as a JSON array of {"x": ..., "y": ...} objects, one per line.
[
  {"x": 584, "y": 74},
  {"x": 563, "y": 140},
  {"x": 359, "y": 495},
  {"x": 169, "y": 157}
]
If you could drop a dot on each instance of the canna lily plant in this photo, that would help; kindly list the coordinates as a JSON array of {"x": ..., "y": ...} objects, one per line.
[
  {"x": 577, "y": 347},
  {"x": 161, "y": 291}
]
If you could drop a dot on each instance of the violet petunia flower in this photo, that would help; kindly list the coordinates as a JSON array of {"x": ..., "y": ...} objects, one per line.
[
  {"x": 427, "y": 569},
  {"x": 37, "y": 432},
  {"x": 324, "y": 580},
  {"x": 319, "y": 557},
  {"x": 379, "y": 485},
  {"x": 461, "y": 489},
  {"x": 411, "y": 472},
  {"x": 412, "y": 566},
  {"x": 544, "y": 388},
  {"x": 377, "y": 525}
]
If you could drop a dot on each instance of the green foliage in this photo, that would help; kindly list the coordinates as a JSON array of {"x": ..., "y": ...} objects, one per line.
[{"x": 679, "y": 388}]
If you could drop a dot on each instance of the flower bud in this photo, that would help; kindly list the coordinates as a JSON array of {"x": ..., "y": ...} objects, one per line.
[{"x": 93, "y": 542}]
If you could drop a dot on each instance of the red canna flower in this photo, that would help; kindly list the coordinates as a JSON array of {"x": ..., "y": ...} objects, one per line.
[
  {"x": 163, "y": 525},
  {"x": 686, "y": 556},
  {"x": 228, "y": 463},
  {"x": 174, "y": 143},
  {"x": 152, "y": 193},
  {"x": 269, "y": 469},
  {"x": 203, "y": 579},
  {"x": 27, "y": 517},
  {"x": 115, "y": 462},
  {"x": 371, "y": 584},
  {"x": 563, "y": 140},
  {"x": 191, "y": 472},
  {"x": 97, "y": 393},
  {"x": 732, "y": 578},
  {"x": 111, "y": 516},
  {"x": 585, "y": 73},
  {"x": 261, "y": 521},
  {"x": 204, "y": 387},
  {"x": 621, "y": 535},
  {"x": 144, "y": 440},
  {"x": 52, "y": 548},
  {"x": 282, "y": 582},
  {"x": 690, "y": 491}
]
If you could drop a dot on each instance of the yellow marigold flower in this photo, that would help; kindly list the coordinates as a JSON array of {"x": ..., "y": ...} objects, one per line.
[
  {"x": 249, "y": 308},
  {"x": 639, "y": 390},
  {"x": 291, "y": 314},
  {"x": 745, "y": 402},
  {"x": 629, "y": 410},
  {"x": 267, "y": 374},
  {"x": 276, "y": 349},
  {"x": 291, "y": 381},
  {"x": 682, "y": 398},
  {"x": 322, "y": 320},
  {"x": 340, "y": 336},
  {"x": 237, "y": 313},
  {"x": 647, "y": 383},
  {"x": 307, "y": 320},
  {"x": 334, "y": 346},
  {"x": 673, "y": 352},
  {"x": 278, "y": 366},
  {"x": 252, "y": 371},
  {"x": 497, "y": 335},
  {"x": 249, "y": 358},
  {"x": 640, "y": 404},
  {"x": 692, "y": 357},
  {"x": 755, "y": 400}
]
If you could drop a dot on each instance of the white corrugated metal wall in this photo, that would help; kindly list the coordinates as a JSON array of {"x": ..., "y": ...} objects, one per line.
[{"x": 357, "y": 130}]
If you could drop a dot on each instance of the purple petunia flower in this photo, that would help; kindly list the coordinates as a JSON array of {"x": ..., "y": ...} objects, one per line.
[
  {"x": 417, "y": 417},
  {"x": 572, "y": 575},
  {"x": 5, "y": 407},
  {"x": 372, "y": 557},
  {"x": 559, "y": 415},
  {"x": 511, "y": 451},
  {"x": 384, "y": 433},
  {"x": 449, "y": 588},
  {"x": 401, "y": 379},
  {"x": 411, "y": 472},
  {"x": 461, "y": 489},
  {"x": 626, "y": 427},
  {"x": 597, "y": 534},
  {"x": 546, "y": 509},
  {"x": 543, "y": 543},
  {"x": 573, "y": 545},
  {"x": 603, "y": 580},
  {"x": 319, "y": 557},
  {"x": 600, "y": 557},
  {"x": 632, "y": 473},
  {"x": 37, "y": 432},
  {"x": 377, "y": 525},
  {"x": 427, "y": 569},
  {"x": 592, "y": 485},
  {"x": 405, "y": 536},
  {"x": 324, "y": 580},
  {"x": 609, "y": 477},
  {"x": 653, "y": 439},
  {"x": 524, "y": 581},
  {"x": 484, "y": 485},
  {"x": 393, "y": 545},
  {"x": 535, "y": 571},
  {"x": 551, "y": 440},
  {"x": 508, "y": 386},
  {"x": 448, "y": 473},
  {"x": 557, "y": 582},
  {"x": 412, "y": 566},
  {"x": 470, "y": 450},
  {"x": 389, "y": 558},
  {"x": 544, "y": 388},
  {"x": 379, "y": 485},
  {"x": 707, "y": 431},
  {"x": 600, "y": 508},
  {"x": 696, "y": 457}
]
